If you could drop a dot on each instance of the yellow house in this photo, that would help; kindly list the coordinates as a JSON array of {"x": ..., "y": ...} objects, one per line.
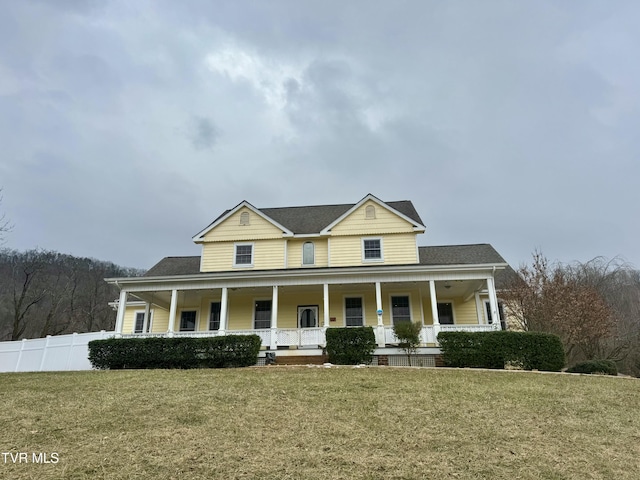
[{"x": 288, "y": 274}]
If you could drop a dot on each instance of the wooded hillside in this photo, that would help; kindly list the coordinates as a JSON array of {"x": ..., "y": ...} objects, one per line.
[{"x": 49, "y": 293}]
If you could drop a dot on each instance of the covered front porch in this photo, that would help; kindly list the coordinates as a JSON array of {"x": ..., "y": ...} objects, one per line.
[{"x": 292, "y": 313}]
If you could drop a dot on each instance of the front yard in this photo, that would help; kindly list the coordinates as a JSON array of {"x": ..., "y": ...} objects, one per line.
[{"x": 284, "y": 422}]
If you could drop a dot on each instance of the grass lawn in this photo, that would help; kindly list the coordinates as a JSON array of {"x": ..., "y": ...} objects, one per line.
[{"x": 316, "y": 423}]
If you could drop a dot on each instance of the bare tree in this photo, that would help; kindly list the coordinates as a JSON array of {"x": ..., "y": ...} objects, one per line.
[{"x": 592, "y": 306}]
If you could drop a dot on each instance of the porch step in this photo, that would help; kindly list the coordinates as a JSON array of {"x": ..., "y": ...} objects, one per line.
[{"x": 301, "y": 360}]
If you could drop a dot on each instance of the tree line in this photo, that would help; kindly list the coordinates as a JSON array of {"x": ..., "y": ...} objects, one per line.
[
  {"x": 594, "y": 307},
  {"x": 43, "y": 292}
]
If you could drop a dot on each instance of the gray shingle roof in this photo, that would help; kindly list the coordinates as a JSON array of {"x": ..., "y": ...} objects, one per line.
[
  {"x": 441, "y": 255},
  {"x": 313, "y": 218},
  {"x": 459, "y": 255},
  {"x": 175, "y": 266}
]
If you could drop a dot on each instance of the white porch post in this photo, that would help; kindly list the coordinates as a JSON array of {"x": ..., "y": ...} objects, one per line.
[
  {"x": 122, "y": 306},
  {"x": 147, "y": 317},
  {"x": 493, "y": 304},
  {"x": 325, "y": 298},
  {"x": 434, "y": 309},
  {"x": 274, "y": 318},
  {"x": 172, "y": 311},
  {"x": 325, "y": 304},
  {"x": 224, "y": 300},
  {"x": 380, "y": 328}
]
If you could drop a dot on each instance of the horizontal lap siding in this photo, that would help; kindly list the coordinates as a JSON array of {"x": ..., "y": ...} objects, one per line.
[
  {"x": 396, "y": 249},
  {"x": 385, "y": 222},
  {"x": 219, "y": 256},
  {"x": 294, "y": 252},
  {"x": 218, "y": 247}
]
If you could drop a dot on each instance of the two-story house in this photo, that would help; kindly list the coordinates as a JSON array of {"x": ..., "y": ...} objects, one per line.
[{"x": 288, "y": 274}]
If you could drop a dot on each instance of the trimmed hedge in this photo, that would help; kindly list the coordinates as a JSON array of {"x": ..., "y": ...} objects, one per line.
[
  {"x": 530, "y": 350},
  {"x": 350, "y": 346},
  {"x": 604, "y": 367},
  {"x": 161, "y": 352}
]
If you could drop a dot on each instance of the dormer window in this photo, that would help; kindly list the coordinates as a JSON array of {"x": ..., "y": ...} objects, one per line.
[
  {"x": 244, "y": 218},
  {"x": 370, "y": 212}
]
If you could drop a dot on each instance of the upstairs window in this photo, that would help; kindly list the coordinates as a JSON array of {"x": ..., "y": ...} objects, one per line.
[
  {"x": 243, "y": 255},
  {"x": 244, "y": 218},
  {"x": 308, "y": 253},
  {"x": 371, "y": 249}
]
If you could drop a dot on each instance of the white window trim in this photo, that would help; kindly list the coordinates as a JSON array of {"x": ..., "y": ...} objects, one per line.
[
  {"x": 372, "y": 260},
  {"x": 344, "y": 309},
  {"x": 312, "y": 264},
  {"x": 179, "y": 319},
  {"x": 485, "y": 316},
  {"x": 253, "y": 315},
  {"x": 453, "y": 309},
  {"x": 317, "y": 309},
  {"x": 235, "y": 254},
  {"x": 219, "y": 300},
  {"x": 400, "y": 294},
  {"x": 149, "y": 322}
]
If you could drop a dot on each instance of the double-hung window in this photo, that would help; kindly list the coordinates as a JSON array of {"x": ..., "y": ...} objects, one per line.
[
  {"x": 188, "y": 321},
  {"x": 400, "y": 309},
  {"x": 445, "y": 313},
  {"x": 139, "y": 326},
  {"x": 262, "y": 314},
  {"x": 353, "y": 314},
  {"x": 243, "y": 255},
  {"x": 371, "y": 249},
  {"x": 214, "y": 316}
]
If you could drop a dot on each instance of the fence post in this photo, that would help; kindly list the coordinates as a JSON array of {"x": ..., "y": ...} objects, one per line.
[
  {"x": 24, "y": 342},
  {"x": 73, "y": 338},
  {"x": 44, "y": 352}
]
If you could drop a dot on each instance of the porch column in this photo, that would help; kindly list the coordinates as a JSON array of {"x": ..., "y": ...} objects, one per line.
[
  {"x": 172, "y": 311},
  {"x": 493, "y": 304},
  {"x": 274, "y": 318},
  {"x": 223, "y": 311},
  {"x": 122, "y": 306},
  {"x": 380, "y": 328},
  {"x": 434, "y": 309},
  {"x": 325, "y": 298},
  {"x": 147, "y": 317}
]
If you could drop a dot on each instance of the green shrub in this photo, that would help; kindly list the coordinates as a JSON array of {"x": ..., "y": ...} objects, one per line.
[
  {"x": 408, "y": 335},
  {"x": 176, "y": 352},
  {"x": 531, "y": 350},
  {"x": 604, "y": 367},
  {"x": 350, "y": 346}
]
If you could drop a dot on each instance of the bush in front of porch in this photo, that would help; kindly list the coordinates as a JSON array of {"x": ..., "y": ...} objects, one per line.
[
  {"x": 350, "y": 345},
  {"x": 530, "y": 350},
  {"x": 161, "y": 352}
]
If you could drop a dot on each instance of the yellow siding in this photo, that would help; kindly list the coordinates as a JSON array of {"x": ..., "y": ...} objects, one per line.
[
  {"x": 219, "y": 256},
  {"x": 396, "y": 249},
  {"x": 230, "y": 229},
  {"x": 294, "y": 252},
  {"x": 384, "y": 222},
  {"x": 414, "y": 303},
  {"x": 464, "y": 313}
]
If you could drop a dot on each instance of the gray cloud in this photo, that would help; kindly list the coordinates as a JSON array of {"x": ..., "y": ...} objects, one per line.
[{"x": 513, "y": 123}]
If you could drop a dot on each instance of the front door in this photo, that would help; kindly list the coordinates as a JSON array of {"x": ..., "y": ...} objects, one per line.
[{"x": 308, "y": 316}]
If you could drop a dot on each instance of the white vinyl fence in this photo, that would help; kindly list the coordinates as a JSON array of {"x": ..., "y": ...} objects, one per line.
[{"x": 53, "y": 353}]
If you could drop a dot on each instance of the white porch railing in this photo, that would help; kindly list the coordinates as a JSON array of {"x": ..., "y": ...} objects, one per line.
[{"x": 315, "y": 337}]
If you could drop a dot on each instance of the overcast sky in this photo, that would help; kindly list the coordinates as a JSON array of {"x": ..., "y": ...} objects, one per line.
[{"x": 127, "y": 127}]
